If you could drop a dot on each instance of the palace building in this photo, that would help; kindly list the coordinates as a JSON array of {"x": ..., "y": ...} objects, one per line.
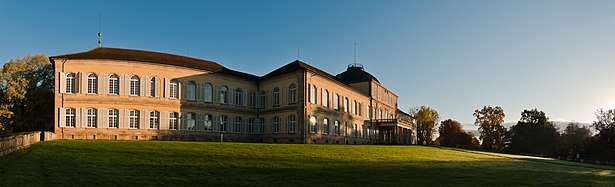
[{"x": 125, "y": 94}]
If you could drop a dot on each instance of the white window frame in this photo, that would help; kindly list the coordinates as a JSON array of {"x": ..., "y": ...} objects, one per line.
[
  {"x": 325, "y": 98},
  {"x": 134, "y": 119},
  {"x": 154, "y": 119},
  {"x": 92, "y": 117},
  {"x": 276, "y": 97},
  {"x": 114, "y": 84},
  {"x": 135, "y": 85},
  {"x": 191, "y": 91},
  {"x": 292, "y": 94},
  {"x": 224, "y": 95},
  {"x": 174, "y": 89},
  {"x": 152, "y": 90},
  {"x": 208, "y": 95},
  {"x": 239, "y": 97},
  {"x": 292, "y": 123},
  {"x": 92, "y": 83},
  {"x": 325, "y": 126},
  {"x": 70, "y": 83},
  {"x": 190, "y": 121},
  {"x": 237, "y": 125},
  {"x": 70, "y": 117},
  {"x": 173, "y": 120},
  {"x": 113, "y": 118},
  {"x": 276, "y": 124}
]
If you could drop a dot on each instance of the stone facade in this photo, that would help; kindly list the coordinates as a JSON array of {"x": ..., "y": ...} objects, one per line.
[{"x": 122, "y": 94}]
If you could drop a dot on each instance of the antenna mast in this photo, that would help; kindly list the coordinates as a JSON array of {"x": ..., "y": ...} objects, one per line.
[
  {"x": 99, "y": 30},
  {"x": 355, "y": 54},
  {"x": 298, "y": 53}
]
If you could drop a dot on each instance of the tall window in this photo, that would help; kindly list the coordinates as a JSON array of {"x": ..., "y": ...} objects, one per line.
[
  {"x": 135, "y": 87},
  {"x": 325, "y": 98},
  {"x": 251, "y": 124},
  {"x": 92, "y": 117},
  {"x": 355, "y": 130},
  {"x": 313, "y": 124},
  {"x": 70, "y": 117},
  {"x": 336, "y": 101},
  {"x": 191, "y": 91},
  {"x": 276, "y": 124},
  {"x": 70, "y": 83},
  {"x": 174, "y": 89},
  {"x": 346, "y": 105},
  {"x": 252, "y": 99},
  {"x": 238, "y": 97},
  {"x": 355, "y": 107},
  {"x": 261, "y": 100},
  {"x": 292, "y": 123},
  {"x": 113, "y": 115},
  {"x": 237, "y": 124},
  {"x": 325, "y": 126},
  {"x": 152, "y": 85},
  {"x": 114, "y": 84},
  {"x": 313, "y": 94},
  {"x": 92, "y": 83},
  {"x": 223, "y": 123},
  {"x": 276, "y": 97},
  {"x": 208, "y": 121},
  {"x": 209, "y": 90},
  {"x": 190, "y": 120},
  {"x": 292, "y": 94},
  {"x": 154, "y": 119},
  {"x": 173, "y": 120},
  {"x": 134, "y": 119},
  {"x": 224, "y": 95},
  {"x": 261, "y": 125},
  {"x": 336, "y": 127}
]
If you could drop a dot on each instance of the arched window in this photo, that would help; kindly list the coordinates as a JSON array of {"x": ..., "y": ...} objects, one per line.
[
  {"x": 313, "y": 94},
  {"x": 355, "y": 106},
  {"x": 174, "y": 89},
  {"x": 70, "y": 117},
  {"x": 292, "y": 94},
  {"x": 313, "y": 124},
  {"x": 261, "y": 103},
  {"x": 355, "y": 130},
  {"x": 325, "y": 126},
  {"x": 135, "y": 85},
  {"x": 276, "y": 124},
  {"x": 251, "y": 124},
  {"x": 237, "y": 125},
  {"x": 191, "y": 91},
  {"x": 261, "y": 125},
  {"x": 152, "y": 86},
  {"x": 336, "y": 101},
  {"x": 70, "y": 83},
  {"x": 92, "y": 118},
  {"x": 224, "y": 95},
  {"x": 252, "y": 99},
  {"x": 238, "y": 97},
  {"x": 173, "y": 120},
  {"x": 114, "y": 84},
  {"x": 113, "y": 118},
  {"x": 92, "y": 83},
  {"x": 336, "y": 127},
  {"x": 325, "y": 98},
  {"x": 134, "y": 119},
  {"x": 154, "y": 119},
  {"x": 276, "y": 97},
  {"x": 292, "y": 123},
  {"x": 209, "y": 90},
  {"x": 208, "y": 121},
  {"x": 191, "y": 120},
  {"x": 346, "y": 105},
  {"x": 223, "y": 123}
]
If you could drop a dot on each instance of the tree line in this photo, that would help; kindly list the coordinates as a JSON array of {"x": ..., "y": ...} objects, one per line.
[{"x": 532, "y": 134}]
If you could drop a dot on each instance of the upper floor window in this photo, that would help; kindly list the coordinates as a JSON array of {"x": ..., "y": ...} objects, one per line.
[
  {"x": 276, "y": 97},
  {"x": 336, "y": 101},
  {"x": 173, "y": 120},
  {"x": 253, "y": 99},
  {"x": 325, "y": 98},
  {"x": 152, "y": 85},
  {"x": 114, "y": 84},
  {"x": 154, "y": 119},
  {"x": 113, "y": 118},
  {"x": 209, "y": 90},
  {"x": 238, "y": 97},
  {"x": 92, "y": 118},
  {"x": 70, "y": 83},
  {"x": 190, "y": 120},
  {"x": 191, "y": 91},
  {"x": 292, "y": 93},
  {"x": 237, "y": 125},
  {"x": 276, "y": 124},
  {"x": 313, "y": 94},
  {"x": 92, "y": 83},
  {"x": 261, "y": 103},
  {"x": 325, "y": 126},
  {"x": 135, "y": 86},
  {"x": 346, "y": 105},
  {"x": 224, "y": 95},
  {"x": 174, "y": 89},
  {"x": 292, "y": 123},
  {"x": 355, "y": 107},
  {"x": 70, "y": 117},
  {"x": 134, "y": 119}
]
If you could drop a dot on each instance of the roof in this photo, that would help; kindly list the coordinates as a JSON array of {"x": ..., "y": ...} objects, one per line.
[
  {"x": 154, "y": 57},
  {"x": 294, "y": 66},
  {"x": 355, "y": 73}
]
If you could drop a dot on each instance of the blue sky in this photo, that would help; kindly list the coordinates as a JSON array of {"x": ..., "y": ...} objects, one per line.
[{"x": 454, "y": 56}]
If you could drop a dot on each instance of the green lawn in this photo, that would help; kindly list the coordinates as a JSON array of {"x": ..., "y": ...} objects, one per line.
[{"x": 162, "y": 163}]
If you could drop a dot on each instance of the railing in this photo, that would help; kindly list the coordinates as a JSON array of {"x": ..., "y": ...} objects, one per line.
[{"x": 22, "y": 140}]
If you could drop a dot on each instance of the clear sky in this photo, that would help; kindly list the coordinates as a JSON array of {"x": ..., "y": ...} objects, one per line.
[{"x": 454, "y": 56}]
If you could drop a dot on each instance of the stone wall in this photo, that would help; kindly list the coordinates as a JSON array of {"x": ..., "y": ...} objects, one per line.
[{"x": 22, "y": 140}]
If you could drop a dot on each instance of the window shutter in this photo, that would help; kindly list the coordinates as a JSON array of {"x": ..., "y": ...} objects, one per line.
[
  {"x": 245, "y": 97},
  {"x": 182, "y": 91},
  {"x": 62, "y": 82},
  {"x": 61, "y": 117},
  {"x": 199, "y": 122},
  {"x": 231, "y": 95},
  {"x": 183, "y": 123},
  {"x": 144, "y": 85},
  {"x": 216, "y": 94},
  {"x": 166, "y": 84},
  {"x": 123, "y": 84},
  {"x": 124, "y": 118},
  {"x": 100, "y": 118},
  {"x": 144, "y": 123},
  {"x": 199, "y": 92},
  {"x": 83, "y": 118},
  {"x": 158, "y": 88},
  {"x": 164, "y": 120},
  {"x": 215, "y": 126},
  {"x": 83, "y": 82},
  {"x": 101, "y": 83}
]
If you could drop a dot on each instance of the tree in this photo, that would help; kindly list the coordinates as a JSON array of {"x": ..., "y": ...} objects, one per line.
[
  {"x": 603, "y": 144},
  {"x": 453, "y": 135},
  {"x": 26, "y": 85},
  {"x": 426, "y": 119},
  {"x": 574, "y": 139},
  {"x": 533, "y": 133},
  {"x": 492, "y": 134}
]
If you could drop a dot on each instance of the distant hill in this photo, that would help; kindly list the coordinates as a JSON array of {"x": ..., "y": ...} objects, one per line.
[{"x": 560, "y": 125}]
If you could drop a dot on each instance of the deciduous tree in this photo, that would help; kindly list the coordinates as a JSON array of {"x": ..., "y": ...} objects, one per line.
[
  {"x": 533, "y": 133},
  {"x": 492, "y": 134},
  {"x": 603, "y": 145},
  {"x": 574, "y": 140},
  {"x": 427, "y": 119},
  {"x": 453, "y": 135}
]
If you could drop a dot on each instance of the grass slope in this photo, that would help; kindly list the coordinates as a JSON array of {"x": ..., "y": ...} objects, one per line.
[{"x": 160, "y": 163}]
